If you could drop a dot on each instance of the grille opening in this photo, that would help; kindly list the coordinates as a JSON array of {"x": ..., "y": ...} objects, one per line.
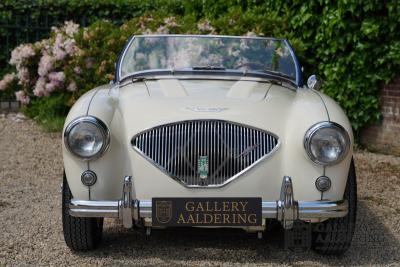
[{"x": 204, "y": 152}]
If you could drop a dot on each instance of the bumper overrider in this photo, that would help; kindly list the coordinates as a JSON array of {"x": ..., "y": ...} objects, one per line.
[{"x": 286, "y": 209}]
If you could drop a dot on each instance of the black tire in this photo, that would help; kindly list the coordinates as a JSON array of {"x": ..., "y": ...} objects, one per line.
[
  {"x": 80, "y": 234},
  {"x": 333, "y": 237}
]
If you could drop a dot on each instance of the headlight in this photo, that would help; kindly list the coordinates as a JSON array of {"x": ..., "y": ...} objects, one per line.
[
  {"x": 327, "y": 143},
  {"x": 87, "y": 137}
]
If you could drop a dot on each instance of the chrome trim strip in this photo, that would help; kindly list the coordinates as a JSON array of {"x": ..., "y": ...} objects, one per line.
[
  {"x": 240, "y": 132},
  {"x": 299, "y": 76},
  {"x": 95, "y": 121},
  {"x": 307, "y": 210},
  {"x": 93, "y": 208}
]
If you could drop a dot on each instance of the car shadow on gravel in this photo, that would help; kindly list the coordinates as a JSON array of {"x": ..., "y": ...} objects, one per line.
[{"x": 373, "y": 243}]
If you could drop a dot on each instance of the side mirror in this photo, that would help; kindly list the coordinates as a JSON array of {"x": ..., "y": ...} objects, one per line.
[{"x": 313, "y": 82}]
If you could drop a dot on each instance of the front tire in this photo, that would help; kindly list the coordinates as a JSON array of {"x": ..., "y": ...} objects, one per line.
[
  {"x": 333, "y": 237},
  {"x": 80, "y": 233}
]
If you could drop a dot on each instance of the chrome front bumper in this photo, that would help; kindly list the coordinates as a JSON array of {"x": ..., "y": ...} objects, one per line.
[{"x": 286, "y": 209}]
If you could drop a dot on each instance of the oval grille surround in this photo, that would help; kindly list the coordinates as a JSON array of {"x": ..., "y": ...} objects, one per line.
[{"x": 204, "y": 153}]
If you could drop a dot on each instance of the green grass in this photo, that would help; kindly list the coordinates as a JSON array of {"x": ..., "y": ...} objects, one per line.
[
  {"x": 48, "y": 112},
  {"x": 51, "y": 124}
]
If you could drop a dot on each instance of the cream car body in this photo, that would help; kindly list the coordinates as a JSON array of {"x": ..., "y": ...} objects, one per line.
[
  {"x": 283, "y": 111},
  {"x": 131, "y": 106}
]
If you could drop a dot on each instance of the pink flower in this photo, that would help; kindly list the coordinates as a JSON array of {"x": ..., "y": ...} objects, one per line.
[
  {"x": 77, "y": 70},
  {"x": 45, "y": 64},
  {"x": 57, "y": 77},
  {"x": 58, "y": 50},
  {"x": 23, "y": 76},
  {"x": 72, "y": 86},
  {"x": 7, "y": 79},
  {"x": 20, "y": 54},
  {"x": 22, "y": 97},
  {"x": 56, "y": 81},
  {"x": 50, "y": 87},
  {"x": 40, "y": 87},
  {"x": 55, "y": 29},
  {"x": 70, "y": 47},
  {"x": 71, "y": 28}
]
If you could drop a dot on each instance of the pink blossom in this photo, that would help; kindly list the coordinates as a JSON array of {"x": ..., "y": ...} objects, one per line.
[
  {"x": 55, "y": 29},
  {"x": 40, "y": 87},
  {"x": 43, "y": 45},
  {"x": 72, "y": 86},
  {"x": 77, "y": 70},
  {"x": 57, "y": 77},
  {"x": 21, "y": 53},
  {"x": 45, "y": 64},
  {"x": 71, "y": 28},
  {"x": 51, "y": 86},
  {"x": 58, "y": 50},
  {"x": 70, "y": 47},
  {"x": 23, "y": 76},
  {"x": 7, "y": 79},
  {"x": 22, "y": 97}
]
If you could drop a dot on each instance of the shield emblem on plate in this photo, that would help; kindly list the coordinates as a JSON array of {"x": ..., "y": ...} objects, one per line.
[{"x": 163, "y": 211}]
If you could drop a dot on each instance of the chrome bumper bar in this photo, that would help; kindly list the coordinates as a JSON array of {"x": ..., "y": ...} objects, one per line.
[{"x": 286, "y": 209}]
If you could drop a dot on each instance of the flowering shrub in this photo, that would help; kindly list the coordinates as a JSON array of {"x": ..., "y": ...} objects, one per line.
[
  {"x": 53, "y": 73},
  {"x": 74, "y": 60}
]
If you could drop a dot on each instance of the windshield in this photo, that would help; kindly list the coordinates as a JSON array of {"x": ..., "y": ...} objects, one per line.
[{"x": 212, "y": 53}]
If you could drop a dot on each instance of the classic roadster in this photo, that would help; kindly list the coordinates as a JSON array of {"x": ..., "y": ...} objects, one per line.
[{"x": 209, "y": 131}]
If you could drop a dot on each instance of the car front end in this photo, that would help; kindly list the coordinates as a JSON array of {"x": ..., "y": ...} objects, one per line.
[{"x": 207, "y": 147}]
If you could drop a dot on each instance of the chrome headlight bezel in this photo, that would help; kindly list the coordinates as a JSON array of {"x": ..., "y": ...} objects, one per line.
[
  {"x": 322, "y": 125},
  {"x": 101, "y": 126}
]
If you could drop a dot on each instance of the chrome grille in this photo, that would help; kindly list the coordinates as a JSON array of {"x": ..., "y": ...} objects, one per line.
[{"x": 204, "y": 152}]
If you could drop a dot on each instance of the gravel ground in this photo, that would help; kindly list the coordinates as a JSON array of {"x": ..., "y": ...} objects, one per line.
[{"x": 31, "y": 232}]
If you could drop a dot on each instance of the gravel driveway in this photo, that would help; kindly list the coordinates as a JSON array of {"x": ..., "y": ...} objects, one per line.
[{"x": 31, "y": 232}]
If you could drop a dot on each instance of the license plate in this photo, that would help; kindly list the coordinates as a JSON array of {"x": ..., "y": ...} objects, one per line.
[{"x": 206, "y": 211}]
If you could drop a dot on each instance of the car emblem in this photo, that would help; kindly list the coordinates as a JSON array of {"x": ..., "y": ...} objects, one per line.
[
  {"x": 202, "y": 166},
  {"x": 163, "y": 211},
  {"x": 203, "y": 109}
]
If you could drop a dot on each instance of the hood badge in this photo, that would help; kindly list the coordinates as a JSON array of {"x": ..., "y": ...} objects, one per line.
[{"x": 204, "y": 109}]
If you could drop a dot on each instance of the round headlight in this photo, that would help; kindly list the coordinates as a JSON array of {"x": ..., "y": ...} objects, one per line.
[
  {"x": 327, "y": 143},
  {"x": 87, "y": 137}
]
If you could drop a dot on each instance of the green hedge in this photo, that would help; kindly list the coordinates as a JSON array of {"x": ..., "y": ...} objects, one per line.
[{"x": 353, "y": 45}]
